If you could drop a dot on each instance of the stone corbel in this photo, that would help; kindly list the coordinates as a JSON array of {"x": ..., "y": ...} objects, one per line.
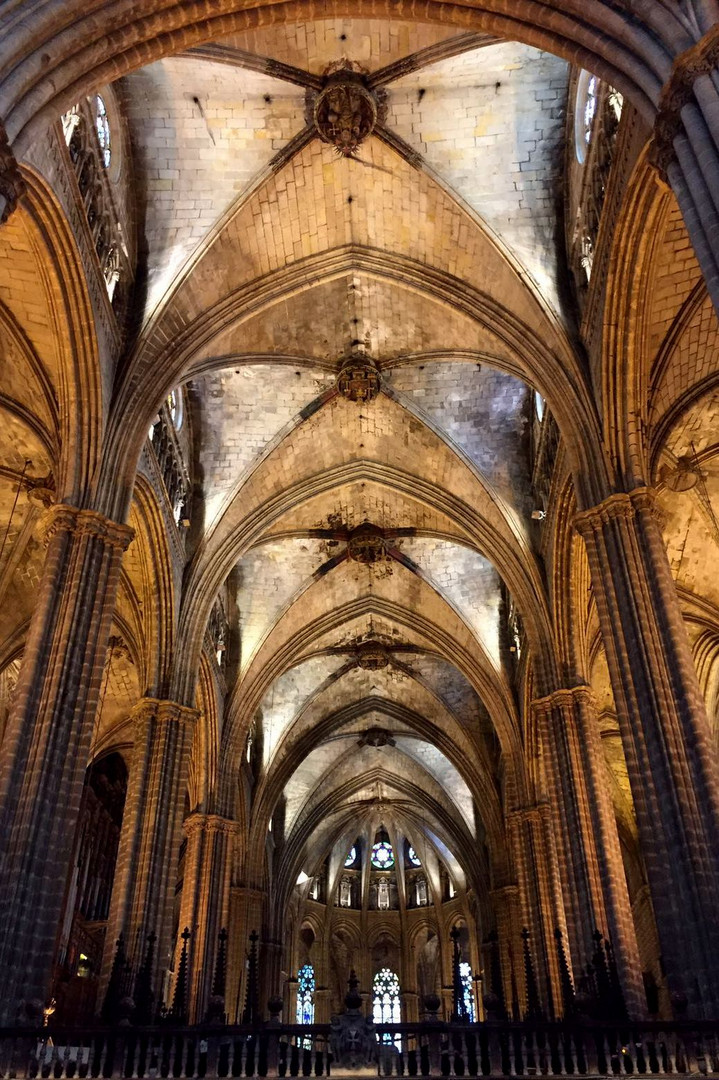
[
  {"x": 700, "y": 59},
  {"x": 12, "y": 182}
]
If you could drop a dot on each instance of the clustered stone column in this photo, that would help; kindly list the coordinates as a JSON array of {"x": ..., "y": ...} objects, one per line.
[
  {"x": 146, "y": 872},
  {"x": 671, "y": 759},
  {"x": 205, "y": 907},
  {"x": 531, "y": 835},
  {"x": 247, "y": 913},
  {"x": 47, "y": 744},
  {"x": 595, "y": 888}
]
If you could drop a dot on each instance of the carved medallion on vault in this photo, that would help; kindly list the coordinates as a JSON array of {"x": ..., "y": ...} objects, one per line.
[{"x": 345, "y": 110}]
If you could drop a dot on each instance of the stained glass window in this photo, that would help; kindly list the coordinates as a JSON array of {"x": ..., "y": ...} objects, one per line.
[
  {"x": 382, "y": 855},
  {"x": 352, "y": 857},
  {"x": 103, "y": 131},
  {"x": 590, "y": 107},
  {"x": 413, "y": 857},
  {"x": 465, "y": 975},
  {"x": 306, "y": 995},
  {"x": 385, "y": 1003}
]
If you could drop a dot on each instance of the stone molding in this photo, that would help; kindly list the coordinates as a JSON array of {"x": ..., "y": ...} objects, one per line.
[
  {"x": 170, "y": 711},
  {"x": 12, "y": 182},
  {"x": 65, "y": 518},
  {"x": 210, "y": 823},
  {"x": 565, "y": 697},
  {"x": 529, "y": 815},
  {"x": 619, "y": 505},
  {"x": 700, "y": 59}
]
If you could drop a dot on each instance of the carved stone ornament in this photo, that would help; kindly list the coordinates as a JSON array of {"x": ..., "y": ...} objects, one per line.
[
  {"x": 367, "y": 544},
  {"x": 353, "y": 1039},
  {"x": 345, "y": 111},
  {"x": 372, "y": 656},
  {"x": 358, "y": 378},
  {"x": 12, "y": 183},
  {"x": 376, "y": 737}
]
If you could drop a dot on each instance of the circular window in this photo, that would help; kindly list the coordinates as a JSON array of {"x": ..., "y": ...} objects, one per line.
[
  {"x": 352, "y": 857},
  {"x": 413, "y": 857},
  {"x": 585, "y": 110},
  {"x": 175, "y": 407},
  {"x": 382, "y": 856},
  {"x": 102, "y": 125}
]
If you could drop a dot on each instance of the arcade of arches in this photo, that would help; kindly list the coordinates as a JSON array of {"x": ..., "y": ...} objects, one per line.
[{"x": 359, "y": 496}]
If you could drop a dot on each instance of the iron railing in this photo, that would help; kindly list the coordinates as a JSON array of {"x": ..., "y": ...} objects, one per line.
[{"x": 414, "y": 1050}]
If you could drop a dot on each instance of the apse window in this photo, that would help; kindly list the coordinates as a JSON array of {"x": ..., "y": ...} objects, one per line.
[
  {"x": 465, "y": 977},
  {"x": 306, "y": 995},
  {"x": 385, "y": 1003},
  {"x": 352, "y": 857},
  {"x": 175, "y": 408},
  {"x": 585, "y": 111},
  {"x": 382, "y": 855},
  {"x": 413, "y": 857},
  {"x": 102, "y": 126}
]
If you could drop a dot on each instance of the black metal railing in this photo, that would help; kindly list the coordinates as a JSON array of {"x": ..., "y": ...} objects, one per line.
[{"x": 432, "y": 1049}]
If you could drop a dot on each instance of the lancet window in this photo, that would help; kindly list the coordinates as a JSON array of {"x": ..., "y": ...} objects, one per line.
[
  {"x": 218, "y": 630},
  {"x": 386, "y": 1008},
  {"x": 306, "y": 995},
  {"x": 597, "y": 112},
  {"x": 167, "y": 450},
  {"x": 86, "y": 128},
  {"x": 465, "y": 977}
]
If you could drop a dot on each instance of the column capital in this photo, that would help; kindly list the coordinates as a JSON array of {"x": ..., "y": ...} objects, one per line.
[
  {"x": 65, "y": 518},
  {"x": 210, "y": 823},
  {"x": 529, "y": 815},
  {"x": 12, "y": 182},
  {"x": 699, "y": 59},
  {"x": 566, "y": 697},
  {"x": 504, "y": 892},
  {"x": 170, "y": 711},
  {"x": 622, "y": 504}
]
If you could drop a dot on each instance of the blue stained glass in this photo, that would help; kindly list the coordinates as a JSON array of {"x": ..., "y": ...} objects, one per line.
[
  {"x": 306, "y": 995},
  {"x": 465, "y": 975},
  {"x": 413, "y": 857},
  {"x": 352, "y": 857},
  {"x": 103, "y": 130},
  {"x": 382, "y": 856}
]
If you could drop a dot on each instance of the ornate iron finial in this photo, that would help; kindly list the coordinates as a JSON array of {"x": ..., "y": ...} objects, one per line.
[
  {"x": 109, "y": 1013},
  {"x": 353, "y": 998},
  {"x": 216, "y": 1006},
  {"x": 568, "y": 1002},
  {"x": 534, "y": 1008},
  {"x": 179, "y": 997},
  {"x": 144, "y": 994},
  {"x": 251, "y": 1010},
  {"x": 459, "y": 1007}
]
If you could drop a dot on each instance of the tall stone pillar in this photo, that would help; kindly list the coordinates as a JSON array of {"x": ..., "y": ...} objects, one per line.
[
  {"x": 205, "y": 905},
  {"x": 247, "y": 913},
  {"x": 146, "y": 873},
  {"x": 531, "y": 836},
  {"x": 47, "y": 743},
  {"x": 506, "y": 905},
  {"x": 671, "y": 760},
  {"x": 591, "y": 867}
]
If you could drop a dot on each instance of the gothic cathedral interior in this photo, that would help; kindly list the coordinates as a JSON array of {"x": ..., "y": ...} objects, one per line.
[{"x": 359, "y": 514}]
